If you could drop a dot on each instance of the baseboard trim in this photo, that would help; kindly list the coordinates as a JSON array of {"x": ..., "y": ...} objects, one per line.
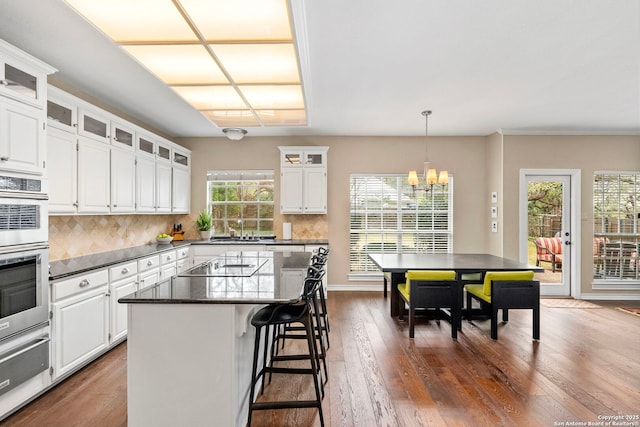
[
  {"x": 610, "y": 297},
  {"x": 363, "y": 288}
]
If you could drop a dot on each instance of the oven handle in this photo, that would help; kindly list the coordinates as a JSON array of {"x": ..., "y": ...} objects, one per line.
[
  {"x": 23, "y": 195},
  {"x": 11, "y": 354},
  {"x": 23, "y": 248}
]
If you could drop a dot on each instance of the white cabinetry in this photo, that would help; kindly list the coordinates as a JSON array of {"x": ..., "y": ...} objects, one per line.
[
  {"x": 63, "y": 171},
  {"x": 182, "y": 259},
  {"x": 93, "y": 176},
  {"x": 22, "y": 136},
  {"x": 117, "y": 168},
  {"x": 145, "y": 184},
  {"x": 181, "y": 190},
  {"x": 303, "y": 180},
  {"x": 202, "y": 253},
  {"x": 94, "y": 124},
  {"x": 163, "y": 187},
  {"x": 168, "y": 266},
  {"x": 80, "y": 313},
  {"x": 148, "y": 271},
  {"x": 23, "y": 93},
  {"x": 123, "y": 181},
  {"x": 123, "y": 280}
]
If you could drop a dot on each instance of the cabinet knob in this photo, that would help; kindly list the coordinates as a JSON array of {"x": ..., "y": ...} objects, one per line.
[
  {"x": 125, "y": 270},
  {"x": 4, "y": 82},
  {"x": 4, "y": 158},
  {"x": 149, "y": 263},
  {"x": 84, "y": 283}
]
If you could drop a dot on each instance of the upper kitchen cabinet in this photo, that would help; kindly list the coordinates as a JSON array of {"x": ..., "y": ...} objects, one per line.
[
  {"x": 122, "y": 135},
  {"x": 22, "y": 138},
  {"x": 303, "y": 180},
  {"x": 23, "y": 77},
  {"x": 23, "y": 93},
  {"x": 181, "y": 181},
  {"x": 62, "y": 112},
  {"x": 94, "y": 124}
]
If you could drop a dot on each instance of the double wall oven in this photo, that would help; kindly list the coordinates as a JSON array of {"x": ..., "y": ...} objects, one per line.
[{"x": 24, "y": 280}]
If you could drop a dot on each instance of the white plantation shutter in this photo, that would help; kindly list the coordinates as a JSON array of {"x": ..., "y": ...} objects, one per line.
[
  {"x": 616, "y": 233},
  {"x": 387, "y": 217}
]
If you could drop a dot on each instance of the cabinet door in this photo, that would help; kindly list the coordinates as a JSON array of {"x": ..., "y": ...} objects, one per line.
[
  {"x": 94, "y": 125},
  {"x": 315, "y": 191},
  {"x": 80, "y": 327},
  {"x": 118, "y": 326},
  {"x": 291, "y": 191},
  {"x": 62, "y": 115},
  {"x": 22, "y": 136},
  {"x": 122, "y": 136},
  {"x": 168, "y": 270},
  {"x": 22, "y": 82},
  {"x": 163, "y": 187},
  {"x": 181, "y": 190},
  {"x": 93, "y": 176},
  {"x": 123, "y": 181},
  {"x": 148, "y": 278},
  {"x": 62, "y": 163},
  {"x": 145, "y": 184}
]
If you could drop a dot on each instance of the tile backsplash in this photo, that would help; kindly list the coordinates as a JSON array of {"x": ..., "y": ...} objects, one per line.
[{"x": 76, "y": 235}]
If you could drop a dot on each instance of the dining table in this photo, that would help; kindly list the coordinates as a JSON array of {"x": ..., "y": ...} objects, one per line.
[{"x": 469, "y": 268}]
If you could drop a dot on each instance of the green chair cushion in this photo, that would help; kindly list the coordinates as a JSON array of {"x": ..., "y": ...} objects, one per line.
[
  {"x": 404, "y": 288},
  {"x": 504, "y": 275},
  {"x": 478, "y": 291}
]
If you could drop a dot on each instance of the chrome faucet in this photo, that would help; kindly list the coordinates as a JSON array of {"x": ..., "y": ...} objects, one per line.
[{"x": 241, "y": 229}]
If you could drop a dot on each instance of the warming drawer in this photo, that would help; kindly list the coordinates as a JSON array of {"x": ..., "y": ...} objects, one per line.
[{"x": 23, "y": 363}]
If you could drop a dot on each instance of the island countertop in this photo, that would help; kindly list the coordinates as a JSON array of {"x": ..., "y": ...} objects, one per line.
[{"x": 237, "y": 277}]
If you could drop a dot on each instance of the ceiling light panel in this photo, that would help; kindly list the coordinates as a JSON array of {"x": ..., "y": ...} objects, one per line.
[
  {"x": 259, "y": 63},
  {"x": 232, "y": 118},
  {"x": 282, "y": 117},
  {"x": 235, "y": 61},
  {"x": 178, "y": 64},
  {"x": 211, "y": 97},
  {"x": 274, "y": 96},
  {"x": 238, "y": 20},
  {"x": 136, "y": 20}
]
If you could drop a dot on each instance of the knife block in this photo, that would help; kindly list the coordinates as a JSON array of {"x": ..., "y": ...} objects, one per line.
[{"x": 177, "y": 235}]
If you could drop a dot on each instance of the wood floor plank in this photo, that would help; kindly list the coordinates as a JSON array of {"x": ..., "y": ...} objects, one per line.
[{"x": 586, "y": 364}]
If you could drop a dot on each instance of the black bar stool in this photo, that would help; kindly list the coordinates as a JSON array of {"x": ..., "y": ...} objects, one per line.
[
  {"x": 313, "y": 279},
  {"x": 274, "y": 315}
]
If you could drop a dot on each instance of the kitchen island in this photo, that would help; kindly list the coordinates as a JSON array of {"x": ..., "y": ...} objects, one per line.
[{"x": 190, "y": 341}]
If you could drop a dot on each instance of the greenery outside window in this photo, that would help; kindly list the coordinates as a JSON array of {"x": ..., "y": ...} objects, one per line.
[
  {"x": 241, "y": 201},
  {"x": 616, "y": 234},
  {"x": 387, "y": 216}
]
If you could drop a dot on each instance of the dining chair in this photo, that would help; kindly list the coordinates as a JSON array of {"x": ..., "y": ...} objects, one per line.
[
  {"x": 505, "y": 290},
  {"x": 432, "y": 289}
]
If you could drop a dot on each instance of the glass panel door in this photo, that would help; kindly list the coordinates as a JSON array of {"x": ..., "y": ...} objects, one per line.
[{"x": 548, "y": 231}]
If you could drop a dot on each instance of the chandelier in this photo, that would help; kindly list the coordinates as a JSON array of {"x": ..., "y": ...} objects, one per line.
[{"x": 430, "y": 174}]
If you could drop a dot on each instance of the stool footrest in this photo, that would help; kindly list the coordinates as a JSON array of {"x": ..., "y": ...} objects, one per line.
[
  {"x": 278, "y": 370},
  {"x": 284, "y": 405}
]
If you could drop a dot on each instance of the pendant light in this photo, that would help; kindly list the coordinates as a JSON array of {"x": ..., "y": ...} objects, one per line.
[{"x": 430, "y": 174}]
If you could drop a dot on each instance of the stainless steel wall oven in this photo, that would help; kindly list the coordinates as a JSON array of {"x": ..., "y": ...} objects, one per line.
[{"x": 24, "y": 280}]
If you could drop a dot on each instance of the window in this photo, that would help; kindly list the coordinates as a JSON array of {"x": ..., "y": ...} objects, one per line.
[
  {"x": 386, "y": 216},
  {"x": 241, "y": 201},
  {"x": 616, "y": 235}
]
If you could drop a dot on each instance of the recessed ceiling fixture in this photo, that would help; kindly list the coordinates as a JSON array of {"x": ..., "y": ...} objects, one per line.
[
  {"x": 235, "y": 61},
  {"x": 234, "y": 134},
  {"x": 431, "y": 175}
]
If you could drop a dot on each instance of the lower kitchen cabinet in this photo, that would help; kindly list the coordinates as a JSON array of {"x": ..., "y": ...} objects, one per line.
[
  {"x": 118, "y": 312},
  {"x": 80, "y": 329}
]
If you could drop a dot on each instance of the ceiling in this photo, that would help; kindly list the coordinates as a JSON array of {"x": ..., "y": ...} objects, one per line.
[{"x": 371, "y": 67}]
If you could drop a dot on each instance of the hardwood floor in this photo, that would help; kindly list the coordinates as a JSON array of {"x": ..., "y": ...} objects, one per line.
[{"x": 586, "y": 365}]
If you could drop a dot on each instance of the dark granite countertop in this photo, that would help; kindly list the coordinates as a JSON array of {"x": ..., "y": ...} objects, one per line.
[
  {"x": 269, "y": 284},
  {"x": 70, "y": 266},
  {"x": 238, "y": 241}
]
